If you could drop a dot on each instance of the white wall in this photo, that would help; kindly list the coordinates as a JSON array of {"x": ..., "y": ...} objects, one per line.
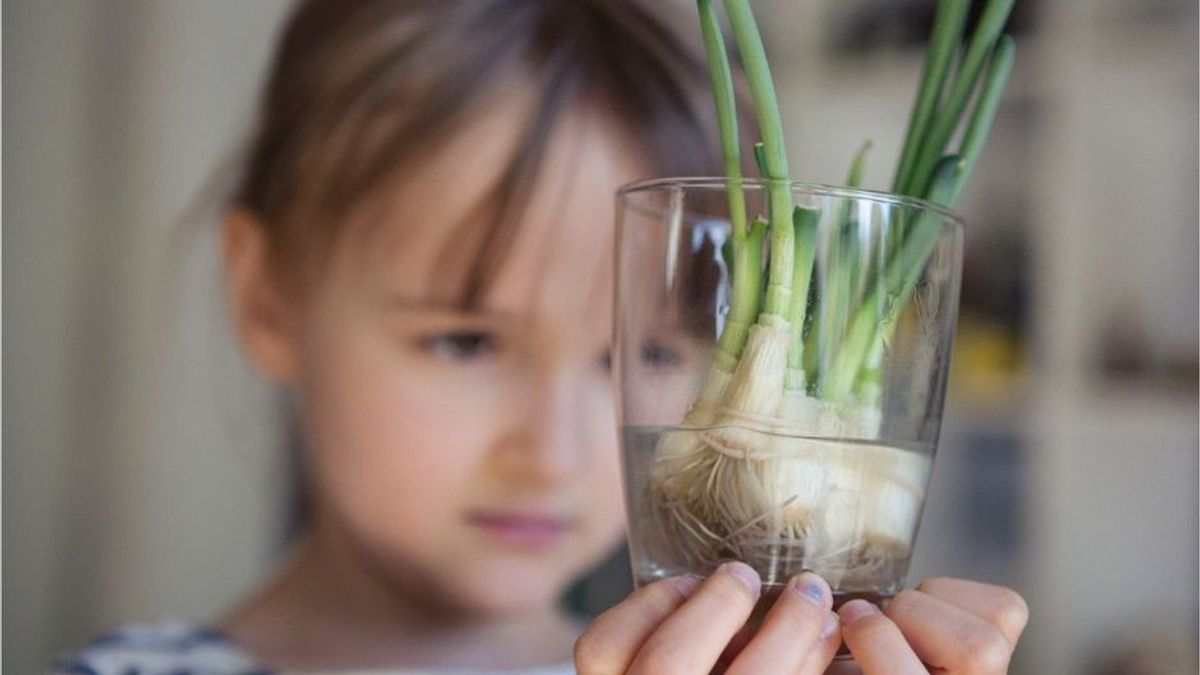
[
  {"x": 43, "y": 86},
  {"x": 139, "y": 464}
]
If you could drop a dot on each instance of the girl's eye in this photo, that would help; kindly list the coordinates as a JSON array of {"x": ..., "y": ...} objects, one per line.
[
  {"x": 605, "y": 361},
  {"x": 460, "y": 345},
  {"x": 658, "y": 355}
]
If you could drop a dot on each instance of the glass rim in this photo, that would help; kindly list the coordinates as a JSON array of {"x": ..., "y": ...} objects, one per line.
[{"x": 818, "y": 189}]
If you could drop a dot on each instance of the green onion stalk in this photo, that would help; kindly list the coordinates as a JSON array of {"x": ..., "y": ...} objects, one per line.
[{"x": 737, "y": 477}]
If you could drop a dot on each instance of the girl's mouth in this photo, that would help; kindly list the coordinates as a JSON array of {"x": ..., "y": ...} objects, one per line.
[{"x": 522, "y": 529}]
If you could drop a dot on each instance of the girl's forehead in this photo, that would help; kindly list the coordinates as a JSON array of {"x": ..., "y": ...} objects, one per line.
[{"x": 558, "y": 259}]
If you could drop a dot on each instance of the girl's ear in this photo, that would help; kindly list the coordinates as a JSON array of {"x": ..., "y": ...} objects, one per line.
[{"x": 262, "y": 311}]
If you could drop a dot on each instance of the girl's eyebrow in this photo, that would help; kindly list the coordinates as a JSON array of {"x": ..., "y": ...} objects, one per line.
[{"x": 443, "y": 306}]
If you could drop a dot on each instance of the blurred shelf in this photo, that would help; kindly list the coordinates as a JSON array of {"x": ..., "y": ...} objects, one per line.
[{"x": 1064, "y": 465}]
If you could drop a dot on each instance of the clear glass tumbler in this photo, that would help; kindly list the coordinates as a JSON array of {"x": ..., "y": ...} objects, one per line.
[{"x": 814, "y": 451}]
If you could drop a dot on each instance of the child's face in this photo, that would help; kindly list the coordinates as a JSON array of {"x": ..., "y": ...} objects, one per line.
[{"x": 470, "y": 458}]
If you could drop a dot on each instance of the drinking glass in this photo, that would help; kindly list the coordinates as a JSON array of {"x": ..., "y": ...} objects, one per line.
[{"x": 831, "y": 474}]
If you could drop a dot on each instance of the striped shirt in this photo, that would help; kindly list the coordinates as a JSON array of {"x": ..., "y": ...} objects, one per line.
[{"x": 180, "y": 648}]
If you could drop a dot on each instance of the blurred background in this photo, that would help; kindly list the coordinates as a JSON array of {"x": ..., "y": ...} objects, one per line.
[{"x": 144, "y": 470}]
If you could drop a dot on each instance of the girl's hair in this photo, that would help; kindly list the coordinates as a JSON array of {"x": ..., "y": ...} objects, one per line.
[{"x": 360, "y": 90}]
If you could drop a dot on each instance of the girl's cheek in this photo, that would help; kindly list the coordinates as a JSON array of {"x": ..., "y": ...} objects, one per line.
[
  {"x": 388, "y": 432},
  {"x": 604, "y": 473}
]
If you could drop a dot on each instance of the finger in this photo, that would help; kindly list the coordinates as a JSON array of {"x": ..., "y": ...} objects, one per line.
[
  {"x": 948, "y": 637},
  {"x": 790, "y": 631},
  {"x": 999, "y": 606},
  {"x": 692, "y": 638},
  {"x": 614, "y": 638},
  {"x": 876, "y": 643},
  {"x": 736, "y": 644},
  {"x": 820, "y": 657}
]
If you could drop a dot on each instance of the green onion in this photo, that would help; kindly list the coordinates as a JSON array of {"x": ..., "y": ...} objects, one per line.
[
  {"x": 999, "y": 68},
  {"x": 805, "y": 222},
  {"x": 731, "y": 479},
  {"x": 947, "y": 32},
  {"x": 995, "y": 15},
  {"x": 854, "y": 177},
  {"x": 882, "y": 305},
  {"x": 746, "y": 260},
  {"x": 760, "y": 159},
  {"x": 726, "y": 105},
  {"x": 779, "y": 193},
  {"x": 848, "y": 325}
]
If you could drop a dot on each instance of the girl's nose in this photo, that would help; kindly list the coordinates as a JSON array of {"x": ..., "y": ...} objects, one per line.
[{"x": 548, "y": 445}]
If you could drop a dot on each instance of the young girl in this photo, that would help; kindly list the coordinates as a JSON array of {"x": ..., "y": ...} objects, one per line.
[{"x": 418, "y": 251}]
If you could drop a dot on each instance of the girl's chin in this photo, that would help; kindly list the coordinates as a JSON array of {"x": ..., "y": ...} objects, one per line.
[{"x": 498, "y": 591}]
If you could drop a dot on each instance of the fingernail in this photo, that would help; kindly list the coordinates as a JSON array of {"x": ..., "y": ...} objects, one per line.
[
  {"x": 856, "y": 609},
  {"x": 811, "y": 587},
  {"x": 743, "y": 573},
  {"x": 830, "y": 626},
  {"x": 686, "y": 584}
]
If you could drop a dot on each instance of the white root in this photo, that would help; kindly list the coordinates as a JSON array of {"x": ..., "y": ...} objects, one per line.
[
  {"x": 767, "y": 477},
  {"x": 679, "y": 447}
]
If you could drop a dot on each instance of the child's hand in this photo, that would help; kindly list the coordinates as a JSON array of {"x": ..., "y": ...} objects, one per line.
[
  {"x": 683, "y": 626},
  {"x": 948, "y": 626}
]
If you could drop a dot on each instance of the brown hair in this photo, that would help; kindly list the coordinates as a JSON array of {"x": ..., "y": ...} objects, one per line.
[{"x": 361, "y": 88}]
